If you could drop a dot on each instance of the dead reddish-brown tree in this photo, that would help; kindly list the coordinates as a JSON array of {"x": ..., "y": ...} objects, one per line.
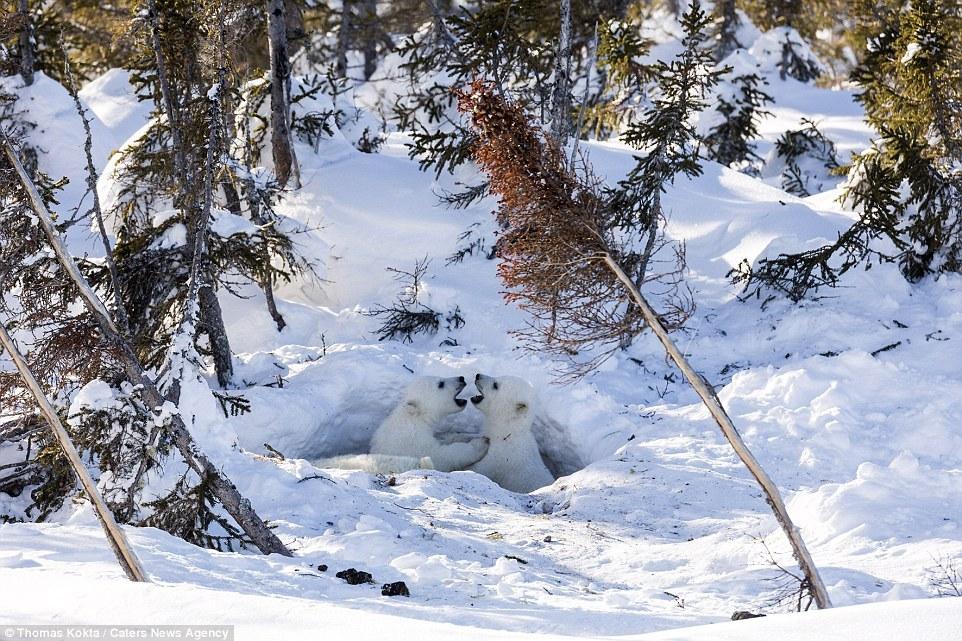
[{"x": 554, "y": 227}]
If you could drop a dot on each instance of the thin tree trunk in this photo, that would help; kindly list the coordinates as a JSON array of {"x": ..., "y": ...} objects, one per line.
[
  {"x": 561, "y": 93},
  {"x": 210, "y": 313},
  {"x": 25, "y": 44},
  {"x": 369, "y": 33},
  {"x": 266, "y": 283},
  {"x": 201, "y": 304},
  {"x": 115, "y": 535},
  {"x": 226, "y": 492},
  {"x": 592, "y": 55},
  {"x": 121, "y": 313},
  {"x": 712, "y": 402},
  {"x": 656, "y": 215},
  {"x": 268, "y": 287},
  {"x": 343, "y": 39},
  {"x": 726, "y": 39},
  {"x": 282, "y": 144},
  {"x": 180, "y": 162},
  {"x": 212, "y": 323}
]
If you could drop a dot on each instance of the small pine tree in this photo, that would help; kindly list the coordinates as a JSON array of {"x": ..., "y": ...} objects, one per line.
[
  {"x": 623, "y": 80},
  {"x": 913, "y": 97},
  {"x": 797, "y": 61},
  {"x": 666, "y": 133},
  {"x": 808, "y": 159},
  {"x": 730, "y": 142},
  {"x": 409, "y": 315}
]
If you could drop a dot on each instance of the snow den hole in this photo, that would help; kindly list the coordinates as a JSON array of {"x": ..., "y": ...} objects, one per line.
[{"x": 324, "y": 423}]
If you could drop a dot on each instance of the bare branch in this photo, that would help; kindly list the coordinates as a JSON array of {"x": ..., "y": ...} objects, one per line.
[
  {"x": 121, "y": 313},
  {"x": 118, "y": 540}
]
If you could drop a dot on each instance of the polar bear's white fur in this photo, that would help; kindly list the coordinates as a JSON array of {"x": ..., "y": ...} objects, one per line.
[
  {"x": 513, "y": 460},
  {"x": 409, "y": 429},
  {"x": 376, "y": 463}
]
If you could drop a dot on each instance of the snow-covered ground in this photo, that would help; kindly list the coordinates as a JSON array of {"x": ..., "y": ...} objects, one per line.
[
  {"x": 660, "y": 527},
  {"x": 91, "y": 600}
]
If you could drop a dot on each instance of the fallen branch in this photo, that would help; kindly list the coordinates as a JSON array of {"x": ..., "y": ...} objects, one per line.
[
  {"x": 236, "y": 505},
  {"x": 115, "y": 536},
  {"x": 887, "y": 348}
]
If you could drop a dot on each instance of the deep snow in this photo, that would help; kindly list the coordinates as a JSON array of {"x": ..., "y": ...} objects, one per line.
[
  {"x": 663, "y": 527},
  {"x": 92, "y": 600}
]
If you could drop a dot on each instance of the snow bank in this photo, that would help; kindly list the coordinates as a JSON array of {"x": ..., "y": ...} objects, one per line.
[
  {"x": 662, "y": 528},
  {"x": 73, "y": 600}
]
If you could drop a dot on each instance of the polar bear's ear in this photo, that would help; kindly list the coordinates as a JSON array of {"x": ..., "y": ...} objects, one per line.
[
  {"x": 521, "y": 409},
  {"x": 413, "y": 408}
]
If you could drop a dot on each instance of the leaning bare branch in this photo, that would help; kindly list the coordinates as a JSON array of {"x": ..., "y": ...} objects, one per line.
[{"x": 118, "y": 540}]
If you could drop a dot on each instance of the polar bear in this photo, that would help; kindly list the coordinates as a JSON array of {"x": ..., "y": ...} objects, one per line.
[
  {"x": 376, "y": 463},
  {"x": 513, "y": 460},
  {"x": 409, "y": 429}
]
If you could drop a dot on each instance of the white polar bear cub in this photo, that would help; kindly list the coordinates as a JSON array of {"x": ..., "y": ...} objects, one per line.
[
  {"x": 409, "y": 429},
  {"x": 513, "y": 460}
]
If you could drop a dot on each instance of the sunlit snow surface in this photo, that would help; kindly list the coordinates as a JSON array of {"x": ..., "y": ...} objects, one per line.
[{"x": 662, "y": 529}]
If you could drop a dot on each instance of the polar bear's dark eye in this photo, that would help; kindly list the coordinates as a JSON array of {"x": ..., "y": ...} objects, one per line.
[
  {"x": 495, "y": 386},
  {"x": 441, "y": 385}
]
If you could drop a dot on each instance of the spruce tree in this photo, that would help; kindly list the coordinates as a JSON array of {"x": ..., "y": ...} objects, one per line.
[
  {"x": 158, "y": 199},
  {"x": 164, "y": 229},
  {"x": 510, "y": 43},
  {"x": 808, "y": 159},
  {"x": 26, "y": 44},
  {"x": 730, "y": 142},
  {"x": 667, "y": 135},
  {"x": 907, "y": 187},
  {"x": 623, "y": 80},
  {"x": 158, "y": 181},
  {"x": 494, "y": 40},
  {"x": 913, "y": 97}
]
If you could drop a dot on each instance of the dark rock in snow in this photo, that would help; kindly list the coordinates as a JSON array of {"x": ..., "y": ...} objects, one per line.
[
  {"x": 744, "y": 614},
  {"x": 398, "y": 588},
  {"x": 355, "y": 577}
]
